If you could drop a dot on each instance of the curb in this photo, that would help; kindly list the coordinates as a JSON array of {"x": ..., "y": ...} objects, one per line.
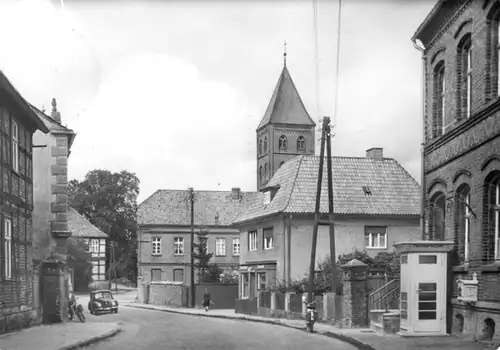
[
  {"x": 93, "y": 340},
  {"x": 345, "y": 338}
]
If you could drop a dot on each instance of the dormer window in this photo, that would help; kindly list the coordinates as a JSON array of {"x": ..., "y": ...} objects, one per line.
[
  {"x": 282, "y": 142},
  {"x": 366, "y": 190},
  {"x": 301, "y": 143},
  {"x": 266, "y": 197}
]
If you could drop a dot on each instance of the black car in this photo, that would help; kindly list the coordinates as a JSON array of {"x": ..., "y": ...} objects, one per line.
[{"x": 102, "y": 301}]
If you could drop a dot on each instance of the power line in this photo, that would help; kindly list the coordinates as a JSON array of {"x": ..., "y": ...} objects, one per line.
[
  {"x": 316, "y": 53},
  {"x": 337, "y": 65}
]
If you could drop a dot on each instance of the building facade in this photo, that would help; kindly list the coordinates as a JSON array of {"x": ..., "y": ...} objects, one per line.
[
  {"x": 164, "y": 234},
  {"x": 95, "y": 240},
  {"x": 460, "y": 43},
  {"x": 376, "y": 203},
  {"x": 285, "y": 131},
  {"x": 18, "y": 123}
]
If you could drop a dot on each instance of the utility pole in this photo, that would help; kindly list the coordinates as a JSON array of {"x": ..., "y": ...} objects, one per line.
[
  {"x": 317, "y": 211},
  {"x": 191, "y": 198},
  {"x": 331, "y": 222}
]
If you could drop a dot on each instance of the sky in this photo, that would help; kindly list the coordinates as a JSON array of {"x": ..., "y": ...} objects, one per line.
[{"x": 174, "y": 90}]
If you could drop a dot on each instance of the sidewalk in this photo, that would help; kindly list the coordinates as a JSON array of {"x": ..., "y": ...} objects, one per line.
[
  {"x": 61, "y": 336},
  {"x": 362, "y": 338}
]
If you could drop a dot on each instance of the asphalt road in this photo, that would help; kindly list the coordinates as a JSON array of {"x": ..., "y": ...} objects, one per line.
[{"x": 146, "y": 329}]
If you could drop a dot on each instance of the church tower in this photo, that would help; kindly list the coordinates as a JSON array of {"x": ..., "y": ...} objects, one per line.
[{"x": 285, "y": 131}]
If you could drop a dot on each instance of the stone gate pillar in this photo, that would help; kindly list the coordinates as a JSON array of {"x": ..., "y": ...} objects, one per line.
[{"x": 355, "y": 298}]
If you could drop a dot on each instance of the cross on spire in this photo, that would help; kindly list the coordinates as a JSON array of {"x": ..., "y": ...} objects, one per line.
[{"x": 284, "y": 54}]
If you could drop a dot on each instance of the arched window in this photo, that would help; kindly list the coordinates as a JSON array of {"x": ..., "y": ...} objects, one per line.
[
  {"x": 462, "y": 224},
  {"x": 439, "y": 100},
  {"x": 281, "y": 164},
  {"x": 438, "y": 216},
  {"x": 261, "y": 174},
  {"x": 493, "y": 53},
  {"x": 282, "y": 143},
  {"x": 265, "y": 144},
  {"x": 464, "y": 74},
  {"x": 260, "y": 146},
  {"x": 301, "y": 143},
  {"x": 266, "y": 173},
  {"x": 491, "y": 217}
]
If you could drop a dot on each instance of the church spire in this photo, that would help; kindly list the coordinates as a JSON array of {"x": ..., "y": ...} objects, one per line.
[{"x": 284, "y": 54}]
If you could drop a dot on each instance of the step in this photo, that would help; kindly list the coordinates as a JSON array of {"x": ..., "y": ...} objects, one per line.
[
  {"x": 376, "y": 315},
  {"x": 385, "y": 322}
]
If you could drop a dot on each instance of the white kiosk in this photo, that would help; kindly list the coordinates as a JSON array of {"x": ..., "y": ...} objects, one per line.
[{"x": 423, "y": 287}]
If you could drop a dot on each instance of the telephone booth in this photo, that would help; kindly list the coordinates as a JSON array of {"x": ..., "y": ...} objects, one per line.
[{"x": 423, "y": 287}]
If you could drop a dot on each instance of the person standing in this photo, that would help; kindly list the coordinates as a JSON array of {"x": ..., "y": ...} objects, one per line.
[{"x": 206, "y": 299}]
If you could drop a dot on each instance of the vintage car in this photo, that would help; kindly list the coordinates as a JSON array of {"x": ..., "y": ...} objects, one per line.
[{"x": 102, "y": 301}]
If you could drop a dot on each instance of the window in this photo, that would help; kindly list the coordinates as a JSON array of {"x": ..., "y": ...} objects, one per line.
[
  {"x": 87, "y": 244},
  {"x": 261, "y": 280},
  {"x": 178, "y": 275},
  {"x": 265, "y": 144},
  {"x": 281, "y": 164},
  {"x": 261, "y": 174},
  {"x": 252, "y": 240},
  {"x": 427, "y": 259},
  {"x": 438, "y": 216},
  {"x": 439, "y": 100},
  {"x": 463, "y": 216},
  {"x": 404, "y": 305},
  {"x": 301, "y": 143},
  {"x": 95, "y": 246},
  {"x": 404, "y": 259},
  {"x": 492, "y": 216},
  {"x": 156, "y": 246},
  {"x": 268, "y": 238},
  {"x": 220, "y": 247},
  {"x": 15, "y": 146},
  {"x": 178, "y": 246},
  {"x": 266, "y": 197},
  {"x": 376, "y": 237},
  {"x": 155, "y": 275},
  {"x": 245, "y": 286},
  {"x": 493, "y": 53},
  {"x": 8, "y": 248},
  {"x": 266, "y": 172},
  {"x": 236, "y": 246},
  {"x": 464, "y": 70},
  {"x": 260, "y": 146},
  {"x": 282, "y": 142}
]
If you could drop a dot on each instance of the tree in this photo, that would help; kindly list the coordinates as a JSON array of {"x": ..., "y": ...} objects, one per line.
[
  {"x": 201, "y": 255},
  {"x": 79, "y": 261},
  {"x": 109, "y": 201}
]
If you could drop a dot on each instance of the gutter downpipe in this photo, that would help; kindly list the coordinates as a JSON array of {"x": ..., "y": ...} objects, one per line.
[{"x": 420, "y": 47}]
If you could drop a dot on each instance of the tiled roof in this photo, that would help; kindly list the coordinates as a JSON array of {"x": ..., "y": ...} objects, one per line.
[
  {"x": 393, "y": 190},
  {"x": 286, "y": 106},
  {"x": 81, "y": 227},
  {"x": 172, "y": 207}
]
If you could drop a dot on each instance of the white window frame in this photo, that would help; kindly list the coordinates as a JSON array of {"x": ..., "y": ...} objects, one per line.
[
  {"x": 252, "y": 241},
  {"x": 497, "y": 221},
  {"x": 467, "y": 217},
  {"x": 259, "y": 280},
  {"x": 8, "y": 248},
  {"x": 268, "y": 241},
  {"x": 96, "y": 246},
  {"x": 469, "y": 79},
  {"x": 15, "y": 146},
  {"x": 178, "y": 246},
  {"x": 156, "y": 246},
  {"x": 220, "y": 246},
  {"x": 236, "y": 246},
  {"x": 374, "y": 240},
  {"x": 266, "y": 197}
]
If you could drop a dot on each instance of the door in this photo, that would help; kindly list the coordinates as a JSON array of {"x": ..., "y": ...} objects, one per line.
[
  {"x": 430, "y": 298},
  {"x": 405, "y": 285}
]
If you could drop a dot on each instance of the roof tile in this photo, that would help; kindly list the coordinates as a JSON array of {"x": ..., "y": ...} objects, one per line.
[{"x": 81, "y": 227}]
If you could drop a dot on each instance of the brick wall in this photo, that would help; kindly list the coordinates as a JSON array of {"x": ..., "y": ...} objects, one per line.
[{"x": 174, "y": 295}]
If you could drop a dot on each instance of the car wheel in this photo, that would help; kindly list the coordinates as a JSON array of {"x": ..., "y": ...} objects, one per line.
[{"x": 116, "y": 310}]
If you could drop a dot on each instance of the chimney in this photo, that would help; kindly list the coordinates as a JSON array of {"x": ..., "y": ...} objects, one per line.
[
  {"x": 375, "y": 153},
  {"x": 55, "y": 114},
  {"x": 235, "y": 193}
]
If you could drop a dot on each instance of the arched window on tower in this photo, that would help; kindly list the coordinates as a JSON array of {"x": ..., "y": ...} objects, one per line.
[
  {"x": 261, "y": 174},
  {"x": 282, "y": 142},
  {"x": 260, "y": 146},
  {"x": 301, "y": 143},
  {"x": 266, "y": 173},
  {"x": 491, "y": 219},
  {"x": 438, "y": 216},
  {"x": 265, "y": 144},
  {"x": 462, "y": 224}
]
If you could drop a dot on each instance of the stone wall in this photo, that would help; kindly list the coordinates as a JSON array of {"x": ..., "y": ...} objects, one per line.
[{"x": 172, "y": 294}]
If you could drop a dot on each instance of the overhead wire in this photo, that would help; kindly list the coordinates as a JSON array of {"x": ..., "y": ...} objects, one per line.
[
  {"x": 335, "y": 110},
  {"x": 316, "y": 53}
]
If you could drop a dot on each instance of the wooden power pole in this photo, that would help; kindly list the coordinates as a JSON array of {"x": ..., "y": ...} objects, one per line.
[
  {"x": 191, "y": 198},
  {"x": 331, "y": 223}
]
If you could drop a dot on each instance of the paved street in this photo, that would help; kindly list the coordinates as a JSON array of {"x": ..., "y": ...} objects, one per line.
[{"x": 146, "y": 329}]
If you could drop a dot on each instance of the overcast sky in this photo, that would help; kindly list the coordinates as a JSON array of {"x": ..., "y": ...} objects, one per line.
[{"x": 174, "y": 91}]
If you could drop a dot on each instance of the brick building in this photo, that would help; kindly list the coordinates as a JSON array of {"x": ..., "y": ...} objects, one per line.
[
  {"x": 460, "y": 42},
  {"x": 18, "y": 123},
  {"x": 164, "y": 234}
]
